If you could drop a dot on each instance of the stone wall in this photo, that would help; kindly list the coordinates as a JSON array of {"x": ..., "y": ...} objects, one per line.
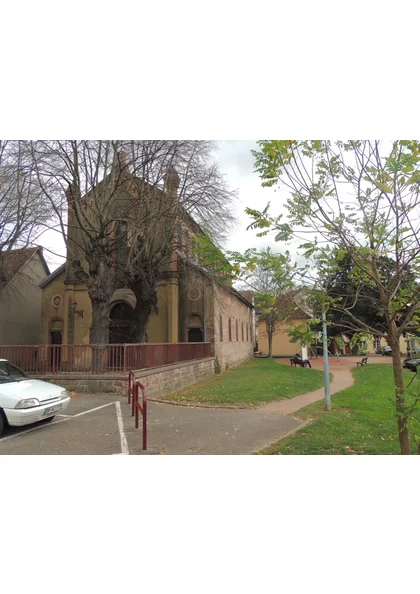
[
  {"x": 173, "y": 378},
  {"x": 235, "y": 346},
  {"x": 158, "y": 382},
  {"x": 89, "y": 384}
]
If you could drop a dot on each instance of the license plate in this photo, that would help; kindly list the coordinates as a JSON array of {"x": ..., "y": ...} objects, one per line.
[{"x": 52, "y": 409}]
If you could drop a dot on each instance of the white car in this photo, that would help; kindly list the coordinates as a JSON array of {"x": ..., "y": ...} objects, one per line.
[{"x": 24, "y": 400}]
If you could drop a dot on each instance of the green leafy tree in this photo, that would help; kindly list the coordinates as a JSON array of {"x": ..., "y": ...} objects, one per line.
[
  {"x": 269, "y": 275},
  {"x": 357, "y": 199}
]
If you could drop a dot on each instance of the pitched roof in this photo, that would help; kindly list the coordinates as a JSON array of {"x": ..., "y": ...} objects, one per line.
[
  {"x": 52, "y": 276},
  {"x": 12, "y": 261},
  {"x": 248, "y": 295},
  {"x": 290, "y": 301}
]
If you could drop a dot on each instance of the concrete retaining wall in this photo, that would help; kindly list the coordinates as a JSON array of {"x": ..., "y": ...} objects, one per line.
[
  {"x": 88, "y": 384},
  {"x": 158, "y": 381},
  {"x": 173, "y": 378}
]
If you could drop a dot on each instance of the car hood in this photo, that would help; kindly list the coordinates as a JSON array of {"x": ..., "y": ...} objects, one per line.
[{"x": 29, "y": 388}]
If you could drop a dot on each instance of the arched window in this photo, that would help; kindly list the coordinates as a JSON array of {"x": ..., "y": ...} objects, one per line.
[
  {"x": 221, "y": 328},
  {"x": 122, "y": 323},
  {"x": 195, "y": 329}
]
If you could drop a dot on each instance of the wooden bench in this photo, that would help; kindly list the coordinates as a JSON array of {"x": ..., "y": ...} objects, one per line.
[
  {"x": 362, "y": 362},
  {"x": 301, "y": 363}
]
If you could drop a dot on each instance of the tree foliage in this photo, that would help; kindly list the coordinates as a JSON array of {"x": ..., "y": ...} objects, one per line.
[
  {"x": 268, "y": 274},
  {"x": 358, "y": 200}
]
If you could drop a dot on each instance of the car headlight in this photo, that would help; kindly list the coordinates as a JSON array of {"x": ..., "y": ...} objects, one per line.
[
  {"x": 27, "y": 403},
  {"x": 64, "y": 395}
]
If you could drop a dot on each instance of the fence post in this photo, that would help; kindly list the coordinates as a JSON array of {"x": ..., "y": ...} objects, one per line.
[
  {"x": 136, "y": 407},
  {"x": 144, "y": 419}
]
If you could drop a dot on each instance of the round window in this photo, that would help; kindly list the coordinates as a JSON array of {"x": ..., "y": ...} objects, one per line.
[
  {"x": 57, "y": 301},
  {"x": 194, "y": 294}
]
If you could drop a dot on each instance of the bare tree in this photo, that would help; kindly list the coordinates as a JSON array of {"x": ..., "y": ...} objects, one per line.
[
  {"x": 23, "y": 212},
  {"x": 126, "y": 204}
]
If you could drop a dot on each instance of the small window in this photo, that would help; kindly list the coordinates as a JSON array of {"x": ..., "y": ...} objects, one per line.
[
  {"x": 221, "y": 328},
  {"x": 242, "y": 331},
  {"x": 57, "y": 301},
  {"x": 230, "y": 330},
  {"x": 247, "y": 339},
  {"x": 237, "y": 332}
]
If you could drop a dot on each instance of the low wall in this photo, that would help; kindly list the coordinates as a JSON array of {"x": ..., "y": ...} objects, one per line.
[
  {"x": 158, "y": 381},
  {"x": 173, "y": 378},
  {"x": 231, "y": 354},
  {"x": 88, "y": 384}
]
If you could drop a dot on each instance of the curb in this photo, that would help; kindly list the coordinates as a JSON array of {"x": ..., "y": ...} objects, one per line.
[
  {"x": 190, "y": 405},
  {"x": 283, "y": 435}
]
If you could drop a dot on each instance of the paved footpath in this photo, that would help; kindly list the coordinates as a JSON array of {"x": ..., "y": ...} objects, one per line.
[{"x": 342, "y": 379}]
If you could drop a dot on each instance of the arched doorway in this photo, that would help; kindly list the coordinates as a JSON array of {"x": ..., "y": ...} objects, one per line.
[
  {"x": 56, "y": 327},
  {"x": 121, "y": 326},
  {"x": 195, "y": 329}
]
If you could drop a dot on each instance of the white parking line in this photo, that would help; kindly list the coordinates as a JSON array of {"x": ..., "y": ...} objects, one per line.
[
  {"x": 124, "y": 444},
  {"x": 34, "y": 429},
  {"x": 92, "y": 410}
]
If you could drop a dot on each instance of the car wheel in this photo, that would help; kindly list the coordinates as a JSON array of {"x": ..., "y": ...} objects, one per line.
[{"x": 2, "y": 422}]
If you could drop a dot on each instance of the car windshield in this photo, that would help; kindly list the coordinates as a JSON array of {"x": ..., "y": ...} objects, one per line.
[{"x": 10, "y": 373}]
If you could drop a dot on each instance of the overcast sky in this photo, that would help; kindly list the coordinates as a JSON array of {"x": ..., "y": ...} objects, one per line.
[{"x": 236, "y": 162}]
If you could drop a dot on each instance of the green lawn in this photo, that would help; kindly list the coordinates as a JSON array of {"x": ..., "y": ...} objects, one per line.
[
  {"x": 362, "y": 421},
  {"x": 254, "y": 382}
]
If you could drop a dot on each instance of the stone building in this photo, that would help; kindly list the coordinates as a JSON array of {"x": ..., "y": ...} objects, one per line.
[{"x": 192, "y": 307}]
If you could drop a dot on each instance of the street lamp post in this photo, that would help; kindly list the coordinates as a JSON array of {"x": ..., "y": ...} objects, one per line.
[{"x": 326, "y": 365}]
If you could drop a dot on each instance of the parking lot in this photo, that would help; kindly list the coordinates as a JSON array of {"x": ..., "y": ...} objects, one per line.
[
  {"x": 92, "y": 424},
  {"x": 101, "y": 424}
]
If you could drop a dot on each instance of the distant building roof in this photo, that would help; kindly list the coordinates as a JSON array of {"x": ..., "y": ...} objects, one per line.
[
  {"x": 294, "y": 302},
  {"x": 52, "y": 276},
  {"x": 248, "y": 295},
  {"x": 12, "y": 261}
]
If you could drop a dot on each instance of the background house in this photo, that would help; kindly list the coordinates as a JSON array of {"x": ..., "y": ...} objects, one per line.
[
  {"x": 21, "y": 272},
  {"x": 293, "y": 303}
]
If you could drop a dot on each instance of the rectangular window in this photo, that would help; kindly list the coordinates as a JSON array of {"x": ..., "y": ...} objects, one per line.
[
  {"x": 247, "y": 339},
  {"x": 237, "y": 331},
  {"x": 221, "y": 329},
  {"x": 242, "y": 331},
  {"x": 230, "y": 330}
]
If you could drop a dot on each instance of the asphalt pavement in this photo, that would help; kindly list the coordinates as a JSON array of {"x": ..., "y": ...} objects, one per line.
[{"x": 101, "y": 424}]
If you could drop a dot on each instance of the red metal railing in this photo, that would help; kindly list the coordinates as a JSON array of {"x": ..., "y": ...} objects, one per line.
[
  {"x": 143, "y": 356},
  {"x": 101, "y": 359},
  {"x": 137, "y": 407}
]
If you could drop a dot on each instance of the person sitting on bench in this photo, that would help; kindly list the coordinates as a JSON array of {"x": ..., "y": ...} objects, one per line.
[{"x": 297, "y": 359}]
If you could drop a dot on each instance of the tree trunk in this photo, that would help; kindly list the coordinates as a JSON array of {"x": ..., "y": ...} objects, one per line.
[
  {"x": 99, "y": 330},
  {"x": 146, "y": 305},
  {"x": 270, "y": 344},
  {"x": 142, "y": 312},
  {"x": 402, "y": 419},
  {"x": 99, "y": 334}
]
